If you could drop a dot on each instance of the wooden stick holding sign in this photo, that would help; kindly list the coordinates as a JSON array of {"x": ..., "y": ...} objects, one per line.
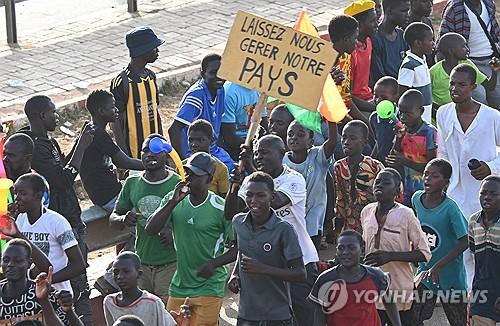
[{"x": 252, "y": 130}]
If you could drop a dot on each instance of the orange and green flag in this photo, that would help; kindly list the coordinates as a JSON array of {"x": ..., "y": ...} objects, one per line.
[{"x": 331, "y": 105}]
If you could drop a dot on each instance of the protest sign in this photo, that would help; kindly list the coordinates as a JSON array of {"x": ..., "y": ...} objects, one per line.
[{"x": 277, "y": 60}]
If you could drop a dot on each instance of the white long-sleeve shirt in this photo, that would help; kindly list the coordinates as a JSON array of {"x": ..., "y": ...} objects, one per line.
[{"x": 479, "y": 141}]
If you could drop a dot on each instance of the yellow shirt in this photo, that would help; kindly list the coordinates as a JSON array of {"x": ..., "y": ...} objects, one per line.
[{"x": 220, "y": 181}]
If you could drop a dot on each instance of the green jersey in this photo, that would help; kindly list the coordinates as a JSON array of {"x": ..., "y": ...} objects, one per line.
[
  {"x": 199, "y": 235},
  {"x": 144, "y": 197}
]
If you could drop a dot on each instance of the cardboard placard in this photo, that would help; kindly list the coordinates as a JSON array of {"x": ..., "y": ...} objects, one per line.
[{"x": 277, "y": 60}]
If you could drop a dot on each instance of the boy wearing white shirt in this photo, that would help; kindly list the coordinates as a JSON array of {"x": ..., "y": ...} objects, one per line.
[
  {"x": 289, "y": 204},
  {"x": 467, "y": 130},
  {"x": 48, "y": 230}
]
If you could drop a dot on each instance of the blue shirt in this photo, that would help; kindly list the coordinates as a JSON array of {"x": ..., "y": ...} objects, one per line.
[
  {"x": 384, "y": 135},
  {"x": 197, "y": 104},
  {"x": 387, "y": 56},
  {"x": 443, "y": 226},
  {"x": 239, "y": 103}
]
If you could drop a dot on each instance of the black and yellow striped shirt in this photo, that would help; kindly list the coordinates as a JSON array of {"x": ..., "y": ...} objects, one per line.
[{"x": 140, "y": 110}]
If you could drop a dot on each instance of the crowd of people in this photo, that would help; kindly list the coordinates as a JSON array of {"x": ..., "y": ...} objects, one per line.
[{"x": 406, "y": 187}]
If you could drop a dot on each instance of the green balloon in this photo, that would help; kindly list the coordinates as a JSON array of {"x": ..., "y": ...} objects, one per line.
[{"x": 385, "y": 109}]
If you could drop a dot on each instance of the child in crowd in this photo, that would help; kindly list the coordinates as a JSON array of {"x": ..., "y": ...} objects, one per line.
[
  {"x": 312, "y": 163},
  {"x": 196, "y": 217},
  {"x": 47, "y": 229},
  {"x": 364, "y": 12},
  {"x": 354, "y": 177},
  {"x": 357, "y": 278},
  {"x": 468, "y": 130},
  {"x": 129, "y": 320},
  {"x": 264, "y": 270},
  {"x": 96, "y": 170},
  {"x": 279, "y": 120},
  {"x": 420, "y": 11},
  {"x": 389, "y": 45},
  {"x": 446, "y": 231},
  {"x": 140, "y": 197},
  {"x": 203, "y": 100},
  {"x": 454, "y": 49},
  {"x": 484, "y": 241},
  {"x": 131, "y": 300},
  {"x": 60, "y": 172},
  {"x": 239, "y": 104},
  {"x": 394, "y": 241},
  {"x": 343, "y": 31},
  {"x": 414, "y": 72},
  {"x": 386, "y": 88},
  {"x": 23, "y": 299},
  {"x": 200, "y": 135},
  {"x": 289, "y": 204},
  {"x": 415, "y": 145}
]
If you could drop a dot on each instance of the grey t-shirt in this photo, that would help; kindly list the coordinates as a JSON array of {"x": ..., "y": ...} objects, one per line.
[
  {"x": 275, "y": 243},
  {"x": 314, "y": 170}
]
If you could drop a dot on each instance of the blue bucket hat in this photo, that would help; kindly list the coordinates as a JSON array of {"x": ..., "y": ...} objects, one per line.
[{"x": 141, "y": 40}]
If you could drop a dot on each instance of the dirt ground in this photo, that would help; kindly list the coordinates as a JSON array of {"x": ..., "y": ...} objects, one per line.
[{"x": 74, "y": 120}]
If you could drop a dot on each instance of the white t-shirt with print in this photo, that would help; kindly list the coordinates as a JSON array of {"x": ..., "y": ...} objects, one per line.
[
  {"x": 51, "y": 233},
  {"x": 293, "y": 185}
]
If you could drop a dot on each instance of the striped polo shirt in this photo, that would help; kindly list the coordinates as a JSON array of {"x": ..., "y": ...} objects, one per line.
[
  {"x": 414, "y": 73},
  {"x": 485, "y": 244},
  {"x": 139, "y": 109}
]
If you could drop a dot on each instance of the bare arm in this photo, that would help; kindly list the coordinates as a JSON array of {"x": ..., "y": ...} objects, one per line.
[
  {"x": 356, "y": 114},
  {"x": 294, "y": 272},
  {"x": 174, "y": 134},
  {"x": 454, "y": 253},
  {"x": 118, "y": 133},
  {"x": 331, "y": 142},
  {"x": 117, "y": 218},
  {"x": 233, "y": 205},
  {"x": 435, "y": 271},
  {"x": 392, "y": 312},
  {"x": 75, "y": 266},
  {"x": 280, "y": 200},
  {"x": 402, "y": 89},
  {"x": 49, "y": 315},
  {"x": 491, "y": 82},
  {"x": 40, "y": 260},
  {"x": 414, "y": 256},
  {"x": 379, "y": 258},
  {"x": 228, "y": 132},
  {"x": 363, "y": 105},
  {"x": 123, "y": 161},
  {"x": 160, "y": 218}
]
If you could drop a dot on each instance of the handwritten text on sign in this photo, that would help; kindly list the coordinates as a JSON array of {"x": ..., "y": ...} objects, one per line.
[{"x": 277, "y": 60}]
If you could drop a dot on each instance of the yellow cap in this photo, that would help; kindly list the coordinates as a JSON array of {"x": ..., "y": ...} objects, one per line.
[{"x": 358, "y": 7}]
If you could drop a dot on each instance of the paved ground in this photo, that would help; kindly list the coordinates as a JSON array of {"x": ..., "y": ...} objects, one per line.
[{"x": 68, "y": 47}]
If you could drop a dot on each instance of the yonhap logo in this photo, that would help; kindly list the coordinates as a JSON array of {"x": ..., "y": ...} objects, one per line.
[{"x": 333, "y": 296}]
